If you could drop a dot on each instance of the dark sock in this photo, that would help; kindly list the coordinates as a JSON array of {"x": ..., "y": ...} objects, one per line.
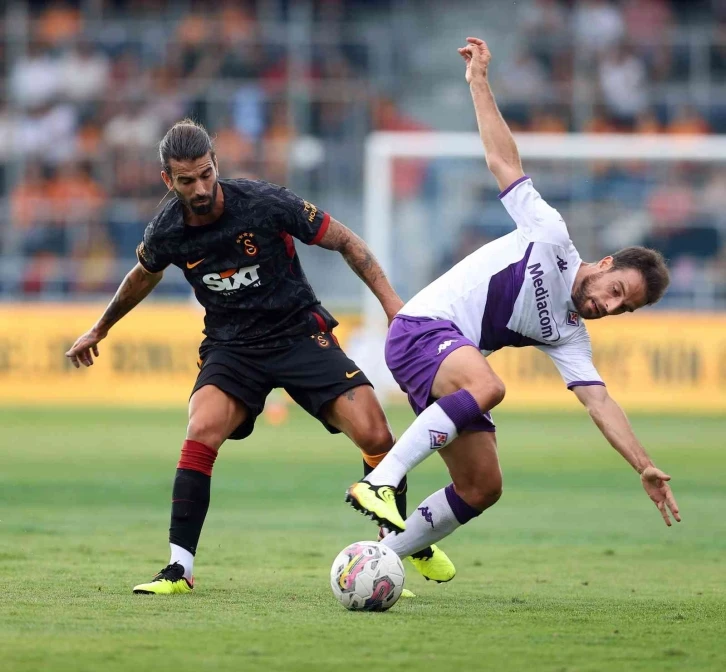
[{"x": 189, "y": 504}]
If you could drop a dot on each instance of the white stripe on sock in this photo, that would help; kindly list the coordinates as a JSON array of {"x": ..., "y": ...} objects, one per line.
[{"x": 184, "y": 558}]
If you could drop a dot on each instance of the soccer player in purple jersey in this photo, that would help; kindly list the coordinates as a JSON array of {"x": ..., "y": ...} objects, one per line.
[{"x": 528, "y": 288}]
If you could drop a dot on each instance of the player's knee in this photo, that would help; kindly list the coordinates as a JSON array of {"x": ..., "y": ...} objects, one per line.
[
  {"x": 481, "y": 493},
  {"x": 489, "y": 392},
  {"x": 375, "y": 439},
  {"x": 206, "y": 430},
  {"x": 484, "y": 497}
]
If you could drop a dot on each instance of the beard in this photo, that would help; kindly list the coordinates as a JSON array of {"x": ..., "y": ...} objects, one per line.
[
  {"x": 205, "y": 206},
  {"x": 581, "y": 298}
]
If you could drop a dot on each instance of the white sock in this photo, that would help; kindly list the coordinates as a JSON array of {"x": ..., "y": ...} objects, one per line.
[
  {"x": 431, "y": 430},
  {"x": 432, "y": 520},
  {"x": 184, "y": 558}
]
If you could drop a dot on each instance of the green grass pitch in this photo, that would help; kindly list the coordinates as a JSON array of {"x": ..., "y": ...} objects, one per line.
[{"x": 572, "y": 570}]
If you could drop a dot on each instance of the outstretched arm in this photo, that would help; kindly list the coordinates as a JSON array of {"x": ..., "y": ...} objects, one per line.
[
  {"x": 360, "y": 258},
  {"x": 501, "y": 151},
  {"x": 136, "y": 286},
  {"x": 614, "y": 425}
]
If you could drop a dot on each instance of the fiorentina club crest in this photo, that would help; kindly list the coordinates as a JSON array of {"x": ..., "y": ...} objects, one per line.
[
  {"x": 438, "y": 439},
  {"x": 573, "y": 319}
]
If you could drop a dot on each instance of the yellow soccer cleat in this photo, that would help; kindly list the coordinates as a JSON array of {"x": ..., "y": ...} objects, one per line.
[
  {"x": 377, "y": 502},
  {"x": 434, "y": 567},
  {"x": 169, "y": 581},
  {"x": 407, "y": 593}
]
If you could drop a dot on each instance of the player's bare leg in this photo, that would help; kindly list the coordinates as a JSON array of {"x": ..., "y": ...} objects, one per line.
[
  {"x": 359, "y": 415},
  {"x": 477, "y": 484},
  {"x": 465, "y": 386},
  {"x": 213, "y": 416}
]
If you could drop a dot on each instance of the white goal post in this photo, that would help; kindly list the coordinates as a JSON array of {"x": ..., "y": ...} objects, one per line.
[{"x": 383, "y": 147}]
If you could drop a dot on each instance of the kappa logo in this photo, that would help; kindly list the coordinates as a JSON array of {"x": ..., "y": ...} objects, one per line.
[
  {"x": 438, "y": 439},
  {"x": 233, "y": 280},
  {"x": 427, "y": 515},
  {"x": 446, "y": 344},
  {"x": 561, "y": 264},
  {"x": 573, "y": 319}
]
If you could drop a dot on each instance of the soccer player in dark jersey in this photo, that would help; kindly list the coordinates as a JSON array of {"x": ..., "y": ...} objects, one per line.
[{"x": 264, "y": 327}]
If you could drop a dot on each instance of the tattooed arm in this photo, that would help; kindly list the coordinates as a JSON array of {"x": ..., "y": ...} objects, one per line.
[
  {"x": 136, "y": 286},
  {"x": 359, "y": 257}
]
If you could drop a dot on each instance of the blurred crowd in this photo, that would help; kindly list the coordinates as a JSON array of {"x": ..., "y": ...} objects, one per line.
[
  {"x": 86, "y": 96},
  {"x": 636, "y": 65}
]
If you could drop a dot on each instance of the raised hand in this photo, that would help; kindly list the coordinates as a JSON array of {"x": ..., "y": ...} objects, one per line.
[
  {"x": 655, "y": 483},
  {"x": 476, "y": 55}
]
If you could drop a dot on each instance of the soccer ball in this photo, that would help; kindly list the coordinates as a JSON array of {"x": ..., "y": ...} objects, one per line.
[{"x": 367, "y": 576}]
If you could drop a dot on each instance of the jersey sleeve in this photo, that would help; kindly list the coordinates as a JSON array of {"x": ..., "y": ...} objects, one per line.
[
  {"x": 534, "y": 217},
  {"x": 151, "y": 253},
  {"x": 574, "y": 361},
  {"x": 300, "y": 218}
]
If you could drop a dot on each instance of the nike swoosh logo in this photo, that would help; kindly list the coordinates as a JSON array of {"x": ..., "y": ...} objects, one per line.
[
  {"x": 350, "y": 375},
  {"x": 196, "y": 263}
]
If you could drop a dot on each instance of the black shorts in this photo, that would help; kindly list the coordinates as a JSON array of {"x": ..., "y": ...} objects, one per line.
[{"x": 313, "y": 370}]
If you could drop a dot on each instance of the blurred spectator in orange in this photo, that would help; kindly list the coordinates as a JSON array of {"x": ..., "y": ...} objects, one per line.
[
  {"x": 647, "y": 123},
  {"x": 76, "y": 196},
  {"x": 59, "y": 23},
  {"x": 547, "y": 120},
  {"x": 29, "y": 204},
  {"x": 89, "y": 138},
  {"x": 235, "y": 152},
  {"x": 236, "y": 21},
  {"x": 688, "y": 121},
  {"x": 600, "y": 121},
  {"x": 195, "y": 28},
  {"x": 277, "y": 142}
]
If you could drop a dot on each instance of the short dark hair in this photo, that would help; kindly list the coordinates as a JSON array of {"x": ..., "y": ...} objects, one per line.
[
  {"x": 184, "y": 141},
  {"x": 652, "y": 267}
]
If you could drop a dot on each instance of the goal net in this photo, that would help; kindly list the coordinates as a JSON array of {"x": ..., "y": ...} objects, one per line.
[{"x": 430, "y": 201}]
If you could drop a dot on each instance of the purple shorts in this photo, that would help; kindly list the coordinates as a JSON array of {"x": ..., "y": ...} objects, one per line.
[{"x": 415, "y": 348}]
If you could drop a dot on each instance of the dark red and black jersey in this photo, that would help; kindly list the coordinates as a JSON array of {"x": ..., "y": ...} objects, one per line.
[{"x": 243, "y": 267}]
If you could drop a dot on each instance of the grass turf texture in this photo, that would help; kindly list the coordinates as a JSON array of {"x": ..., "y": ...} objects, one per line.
[{"x": 572, "y": 570}]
